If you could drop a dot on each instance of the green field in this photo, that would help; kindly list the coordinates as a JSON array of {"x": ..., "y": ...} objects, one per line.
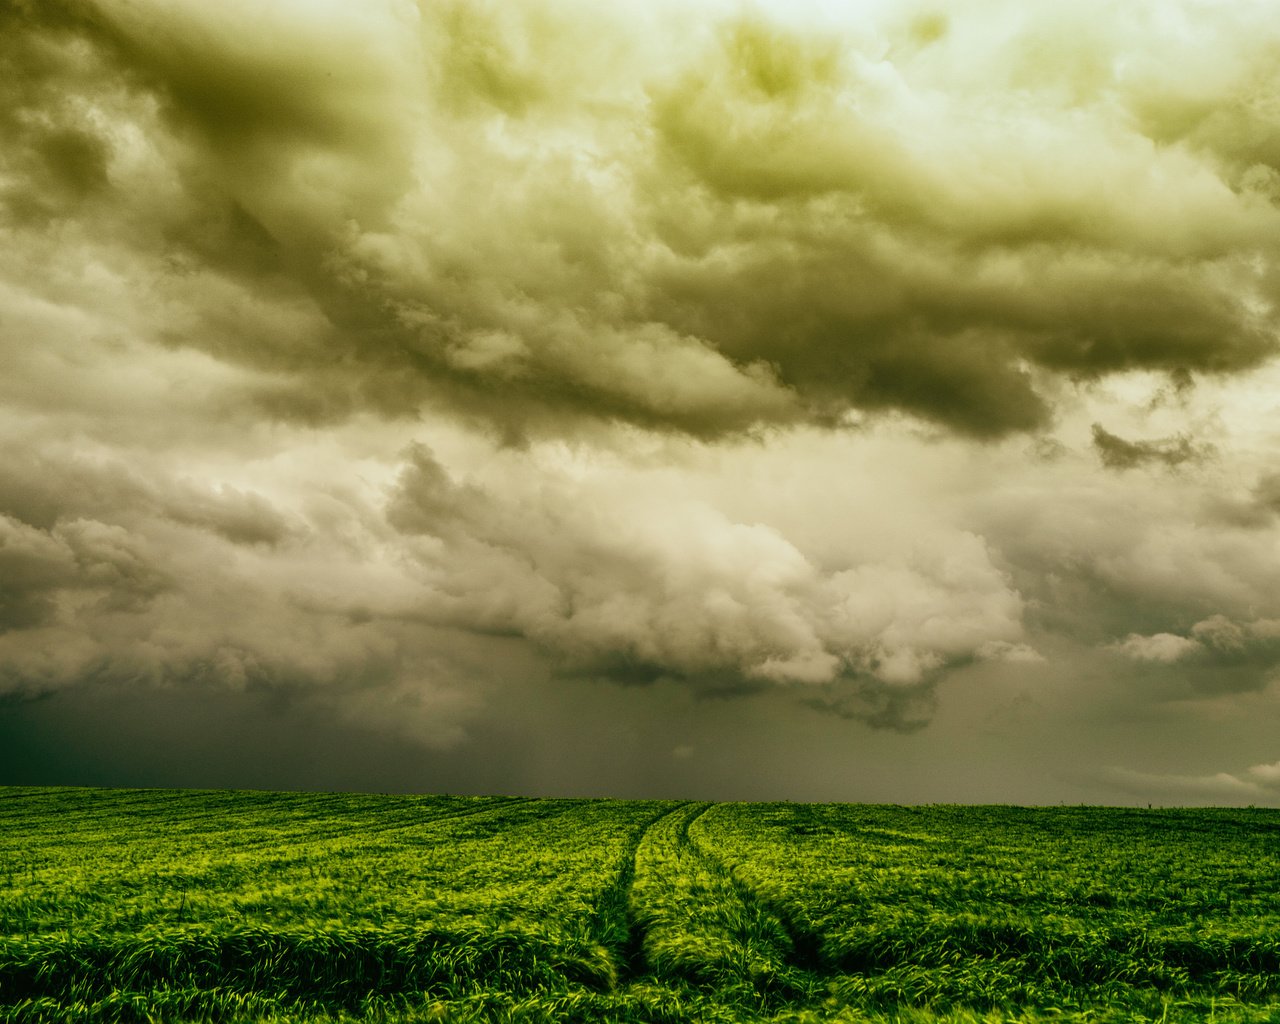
[{"x": 155, "y": 905}]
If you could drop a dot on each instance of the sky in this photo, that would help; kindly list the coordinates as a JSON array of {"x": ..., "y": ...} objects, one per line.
[{"x": 868, "y": 401}]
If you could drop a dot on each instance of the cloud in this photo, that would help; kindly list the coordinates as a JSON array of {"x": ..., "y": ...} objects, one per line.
[
  {"x": 1118, "y": 559},
  {"x": 41, "y": 488},
  {"x": 346, "y": 343},
  {"x": 1266, "y": 774},
  {"x": 1216, "y": 638},
  {"x": 611, "y": 576},
  {"x": 1267, "y": 492},
  {"x": 1260, "y": 783},
  {"x": 1117, "y": 453},
  {"x": 1229, "y": 638},
  {"x": 34, "y": 565},
  {"x": 609, "y": 567},
  {"x": 144, "y": 579},
  {"x": 1213, "y": 788},
  {"x": 1003, "y": 650},
  {"x": 901, "y": 709},
  {"x": 1219, "y": 657},
  {"x": 769, "y": 223},
  {"x": 1161, "y": 647}
]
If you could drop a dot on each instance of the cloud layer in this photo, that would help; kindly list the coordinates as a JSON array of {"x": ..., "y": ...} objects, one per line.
[
  {"x": 360, "y": 353},
  {"x": 768, "y": 222}
]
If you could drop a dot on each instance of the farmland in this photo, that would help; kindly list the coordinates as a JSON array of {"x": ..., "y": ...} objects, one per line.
[{"x": 228, "y": 906}]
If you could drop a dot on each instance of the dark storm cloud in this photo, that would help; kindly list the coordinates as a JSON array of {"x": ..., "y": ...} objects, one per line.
[
  {"x": 1117, "y": 453},
  {"x": 101, "y": 563},
  {"x": 904, "y": 710},
  {"x": 55, "y": 157},
  {"x": 1214, "y": 656},
  {"x": 34, "y": 566},
  {"x": 43, "y": 489},
  {"x": 116, "y": 577},
  {"x": 358, "y": 355},
  {"x": 1092, "y": 574},
  {"x": 1266, "y": 494},
  {"x": 459, "y": 205},
  {"x": 1168, "y": 575},
  {"x": 1257, "y": 509},
  {"x": 908, "y": 253}
]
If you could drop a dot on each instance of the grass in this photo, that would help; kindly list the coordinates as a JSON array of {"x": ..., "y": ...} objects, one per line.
[{"x": 184, "y": 906}]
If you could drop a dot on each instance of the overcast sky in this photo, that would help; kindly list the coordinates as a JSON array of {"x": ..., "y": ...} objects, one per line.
[{"x": 840, "y": 401}]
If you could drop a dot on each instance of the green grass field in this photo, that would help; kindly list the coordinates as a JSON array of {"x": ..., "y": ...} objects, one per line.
[{"x": 132, "y": 905}]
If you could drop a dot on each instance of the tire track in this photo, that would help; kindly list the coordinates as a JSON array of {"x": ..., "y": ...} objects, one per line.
[
  {"x": 618, "y": 927},
  {"x": 803, "y": 949},
  {"x": 682, "y": 924},
  {"x": 756, "y": 950}
]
